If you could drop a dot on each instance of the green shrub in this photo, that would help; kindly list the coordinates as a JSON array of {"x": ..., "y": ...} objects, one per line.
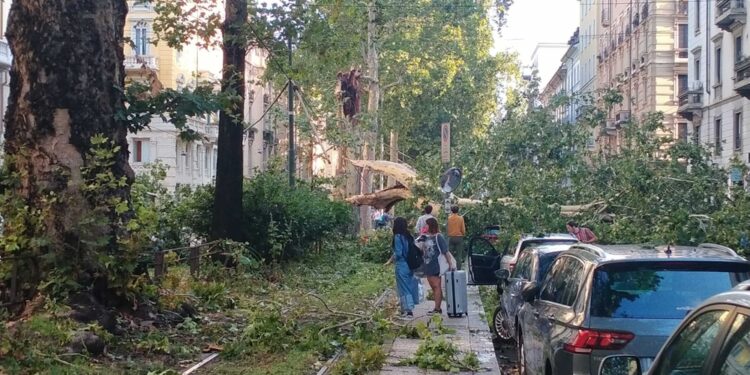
[{"x": 377, "y": 247}]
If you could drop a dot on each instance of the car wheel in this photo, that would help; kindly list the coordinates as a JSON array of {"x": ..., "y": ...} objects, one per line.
[
  {"x": 521, "y": 355},
  {"x": 500, "y": 326}
]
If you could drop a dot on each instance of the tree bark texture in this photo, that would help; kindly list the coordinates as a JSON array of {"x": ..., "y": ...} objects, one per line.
[
  {"x": 372, "y": 60},
  {"x": 227, "y": 216},
  {"x": 65, "y": 88}
]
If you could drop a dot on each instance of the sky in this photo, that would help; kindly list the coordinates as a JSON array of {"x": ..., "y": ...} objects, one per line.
[{"x": 537, "y": 21}]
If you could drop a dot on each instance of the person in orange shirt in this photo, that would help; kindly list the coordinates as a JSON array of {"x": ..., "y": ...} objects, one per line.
[{"x": 456, "y": 233}]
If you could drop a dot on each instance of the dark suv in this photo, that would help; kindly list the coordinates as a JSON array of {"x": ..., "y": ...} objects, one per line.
[{"x": 599, "y": 301}]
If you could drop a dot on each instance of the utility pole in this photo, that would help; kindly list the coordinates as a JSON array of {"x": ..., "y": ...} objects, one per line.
[{"x": 290, "y": 87}]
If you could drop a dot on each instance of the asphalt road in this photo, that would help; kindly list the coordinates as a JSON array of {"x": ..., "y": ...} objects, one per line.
[{"x": 506, "y": 358}]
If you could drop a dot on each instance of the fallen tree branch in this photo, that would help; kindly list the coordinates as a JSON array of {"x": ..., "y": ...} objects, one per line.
[{"x": 336, "y": 312}]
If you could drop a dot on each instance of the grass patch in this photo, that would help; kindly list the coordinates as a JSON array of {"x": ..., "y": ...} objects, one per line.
[
  {"x": 266, "y": 322},
  {"x": 490, "y": 301}
]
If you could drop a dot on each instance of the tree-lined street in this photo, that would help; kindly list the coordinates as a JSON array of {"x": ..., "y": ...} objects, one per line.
[{"x": 209, "y": 186}]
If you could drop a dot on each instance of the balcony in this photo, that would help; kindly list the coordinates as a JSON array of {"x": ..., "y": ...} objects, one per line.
[
  {"x": 139, "y": 62},
  {"x": 691, "y": 102},
  {"x": 742, "y": 77},
  {"x": 622, "y": 118},
  {"x": 730, "y": 14},
  {"x": 6, "y": 58}
]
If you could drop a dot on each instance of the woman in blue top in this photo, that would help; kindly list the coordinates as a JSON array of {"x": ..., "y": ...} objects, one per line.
[{"x": 406, "y": 284}]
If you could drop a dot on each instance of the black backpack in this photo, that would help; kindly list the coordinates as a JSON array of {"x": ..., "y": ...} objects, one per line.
[{"x": 414, "y": 256}]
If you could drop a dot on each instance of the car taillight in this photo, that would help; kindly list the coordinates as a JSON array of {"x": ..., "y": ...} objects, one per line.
[{"x": 588, "y": 340}]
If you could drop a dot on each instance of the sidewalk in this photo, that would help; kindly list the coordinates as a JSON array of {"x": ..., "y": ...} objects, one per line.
[{"x": 472, "y": 334}]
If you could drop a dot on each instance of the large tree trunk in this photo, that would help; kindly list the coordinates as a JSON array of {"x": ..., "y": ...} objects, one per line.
[
  {"x": 65, "y": 88},
  {"x": 227, "y": 216},
  {"x": 373, "y": 106}
]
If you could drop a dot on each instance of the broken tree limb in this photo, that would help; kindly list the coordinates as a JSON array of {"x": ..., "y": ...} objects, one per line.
[
  {"x": 383, "y": 199},
  {"x": 404, "y": 174}
]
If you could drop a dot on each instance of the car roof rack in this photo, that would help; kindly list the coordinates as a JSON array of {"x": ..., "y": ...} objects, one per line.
[
  {"x": 721, "y": 248},
  {"x": 590, "y": 249}
]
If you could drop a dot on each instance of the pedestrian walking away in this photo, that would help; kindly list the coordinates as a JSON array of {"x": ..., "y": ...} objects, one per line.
[
  {"x": 406, "y": 283},
  {"x": 583, "y": 234},
  {"x": 433, "y": 244},
  {"x": 422, "y": 221},
  {"x": 456, "y": 232}
]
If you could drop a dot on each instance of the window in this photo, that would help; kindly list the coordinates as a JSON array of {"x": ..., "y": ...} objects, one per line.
[
  {"x": 682, "y": 83},
  {"x": 697, "y": 15},
  {"x": 697, "y": 72},
  {"x": 523, "y": 267},
  {"x": 690, "y": 349},
  {"x": 717, "y": 136},
  {"x": 738, "y": 48},
  {"x": 718, "y": 65},
  {"x": 737, "y": 130},
  {"x": 735, "y": 355},
  {"x": 653, "y": 290},
  {"x": 563, "y": 282},
  {"x": 140, "y": 33},
  {"x": 141, "y": 151},
  {"x": 683, "y": 40},
  {"x": 682, "y": 132}
]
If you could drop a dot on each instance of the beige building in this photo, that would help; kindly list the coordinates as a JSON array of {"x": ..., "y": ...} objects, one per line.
[
  {"x": 193, "y": 162},
  {"x": 643, "y": 53}
]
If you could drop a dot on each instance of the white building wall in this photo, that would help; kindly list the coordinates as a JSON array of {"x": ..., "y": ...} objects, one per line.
[
  {"x": 188, "y": 163},
  {"x": 720, "y": 100}
]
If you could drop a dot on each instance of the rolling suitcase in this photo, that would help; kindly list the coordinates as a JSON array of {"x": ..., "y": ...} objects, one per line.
[{"x": 456, "y": 299}]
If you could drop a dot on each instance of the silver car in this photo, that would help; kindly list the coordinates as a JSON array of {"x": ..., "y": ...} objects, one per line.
[
  {"x": 599, "y": 301},
  {"x": 485, "y": 259},
  {"x": 511, "y": 258}
]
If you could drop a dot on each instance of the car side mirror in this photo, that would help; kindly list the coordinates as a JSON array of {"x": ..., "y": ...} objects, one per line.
[
  {"x": 529, "y": 291},
  {"x": 620, "y": 365},
  {"x": 502, "y": 274}
]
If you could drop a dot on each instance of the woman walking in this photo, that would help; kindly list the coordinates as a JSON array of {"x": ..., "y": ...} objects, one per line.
[
  {"x": 406, "y": 284},
  {"x": 434, "y": 244}
]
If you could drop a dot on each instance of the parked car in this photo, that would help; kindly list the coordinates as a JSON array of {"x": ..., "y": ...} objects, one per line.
[
  {"x": 599, "y": 301},
  {"x": 485, "y": 259},
  {"x": 713, "y": 339},
  {"x": 533, "y": 264}
]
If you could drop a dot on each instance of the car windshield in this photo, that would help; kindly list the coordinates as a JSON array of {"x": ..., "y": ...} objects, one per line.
[
  {"x": 545, "y": 261},
  {"x": 660, "y": 290},
  {"x": 547, "y": 241}
]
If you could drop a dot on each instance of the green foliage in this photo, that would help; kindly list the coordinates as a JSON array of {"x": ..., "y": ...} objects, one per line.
[
  {"x": 440, "y": 354},
  {"x": 361, "y": 358},
  {"x": 377, "y": 247}
]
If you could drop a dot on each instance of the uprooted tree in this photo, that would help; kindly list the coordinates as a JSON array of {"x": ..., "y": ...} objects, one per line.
[{"x": 66, "y": 182}]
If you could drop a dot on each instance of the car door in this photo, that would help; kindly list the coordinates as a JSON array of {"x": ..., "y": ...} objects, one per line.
[
  {"x": 734, "y": 356},
  {"x": 511, "y": 298},
  {"x": 484, "y": 260},
  {"x": 690, "y": 349},
  {"x": 535, "y": 329},
  {"x": 554, "y": 308}
]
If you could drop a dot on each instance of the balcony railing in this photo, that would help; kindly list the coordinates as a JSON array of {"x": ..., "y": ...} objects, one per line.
[
  {"x": 742, "y": 77},
  {"x": 690, "y": 102},
  {"x": 136, "y": 62},
  {"x": 730, "y": 14}
]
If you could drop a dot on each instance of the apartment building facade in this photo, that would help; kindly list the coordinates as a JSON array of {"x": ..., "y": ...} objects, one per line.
[
  {"x": 565, "y": 81},
  {"x": 6, "y": 59},
  {"x": 715, "y": 101},
  {"x": 643, "y": 53},
  {"x": 192, "y": 162}
]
